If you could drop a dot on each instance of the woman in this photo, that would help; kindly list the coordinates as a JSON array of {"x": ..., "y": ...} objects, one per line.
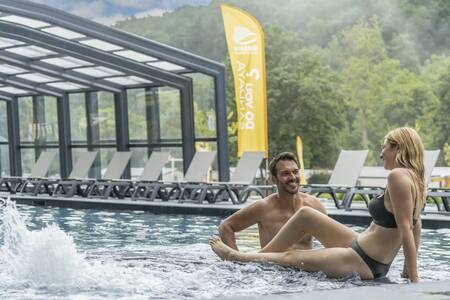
[{"x": 396, "y": 223}]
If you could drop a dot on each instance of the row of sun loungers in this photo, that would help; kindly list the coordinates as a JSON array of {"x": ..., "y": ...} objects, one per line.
[
  {"x": 194, "y": 188},
  {"x": 344, "y": 180},
  {"x": 147, "y": 187}
]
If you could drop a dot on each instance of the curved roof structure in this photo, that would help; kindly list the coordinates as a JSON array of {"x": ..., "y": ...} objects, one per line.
[{"x": 45, "y": 51}]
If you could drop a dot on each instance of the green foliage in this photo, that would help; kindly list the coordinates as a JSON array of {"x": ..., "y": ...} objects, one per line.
[
  {"x": 300, "y": 84},
  {"x": 340, "y": 73}
]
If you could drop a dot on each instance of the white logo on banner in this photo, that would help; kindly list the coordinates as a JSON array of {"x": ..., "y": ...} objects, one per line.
[{"x": 244, "y": 37}]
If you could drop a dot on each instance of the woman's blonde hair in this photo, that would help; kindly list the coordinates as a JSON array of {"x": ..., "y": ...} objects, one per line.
[{"x": 410, "y": 156}]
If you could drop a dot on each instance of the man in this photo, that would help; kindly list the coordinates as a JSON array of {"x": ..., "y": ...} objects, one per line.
[{"x": 272, "y": 212}]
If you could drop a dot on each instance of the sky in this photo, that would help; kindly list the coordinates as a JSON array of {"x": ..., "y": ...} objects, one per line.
[{"x": 108, "y": 12}]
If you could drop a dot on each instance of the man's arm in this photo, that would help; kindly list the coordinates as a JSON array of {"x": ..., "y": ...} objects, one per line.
[
  {"x": 240, "y": 220},
  {"x": 315, "y": 203}
]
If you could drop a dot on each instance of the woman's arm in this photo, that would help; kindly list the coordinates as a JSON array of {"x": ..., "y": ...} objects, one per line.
[
  {"x": 399, "y": 185},
  {"x": 416, "y": 232}
]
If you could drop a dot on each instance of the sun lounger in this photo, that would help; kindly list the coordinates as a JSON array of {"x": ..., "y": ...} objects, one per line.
[
  {"x": 150, "y": 174},
  {"x": 91, "y": 186},
  {"x": 104, "y": 187},
  {"x": 197, "y": 172},
  {"x": 344, "y": 177},
  {"x": 434, "y": 194},
  {"x": 35, "y": 182},
  {"x": 430, "y": 159},
  {"x": 237, "y": 190},
  {"x": 71, "y": 186}
]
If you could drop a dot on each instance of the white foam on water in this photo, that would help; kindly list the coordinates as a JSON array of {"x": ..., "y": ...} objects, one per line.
[{"x": 46, "y": 257}]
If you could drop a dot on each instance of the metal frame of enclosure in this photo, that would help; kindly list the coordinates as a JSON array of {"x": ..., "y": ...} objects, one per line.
[{"x": 45, "y": 52}]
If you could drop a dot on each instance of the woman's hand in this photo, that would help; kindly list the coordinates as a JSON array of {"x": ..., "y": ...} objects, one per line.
[{"x": 404, "y": 273}]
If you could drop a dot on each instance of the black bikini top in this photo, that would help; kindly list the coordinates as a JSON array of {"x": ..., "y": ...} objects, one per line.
[{"x": 381, "y": 216}]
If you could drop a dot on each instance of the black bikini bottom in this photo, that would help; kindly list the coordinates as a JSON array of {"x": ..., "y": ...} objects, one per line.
[{"x": 378, "y": 269}]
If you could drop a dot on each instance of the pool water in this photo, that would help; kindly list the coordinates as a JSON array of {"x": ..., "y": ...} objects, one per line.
[{"x": 61, "y": 253}]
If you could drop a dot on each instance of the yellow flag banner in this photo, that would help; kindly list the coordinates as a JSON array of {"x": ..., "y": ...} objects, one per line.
[
  {"x": 245, "y": 40},
  {"x": 300, "y": 160}
]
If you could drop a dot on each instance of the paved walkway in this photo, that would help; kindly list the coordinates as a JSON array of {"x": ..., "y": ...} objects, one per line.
[{"x": 421, "y": 291}]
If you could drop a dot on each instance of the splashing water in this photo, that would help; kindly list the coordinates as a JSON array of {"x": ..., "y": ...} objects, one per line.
[{"x": 47, "y": 257}]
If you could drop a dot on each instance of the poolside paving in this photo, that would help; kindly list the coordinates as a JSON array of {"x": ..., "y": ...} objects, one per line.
[{"x": 420, "y": 291}]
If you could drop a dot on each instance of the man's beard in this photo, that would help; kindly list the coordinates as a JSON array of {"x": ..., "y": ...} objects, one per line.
[{"x": 287, "y": 188}]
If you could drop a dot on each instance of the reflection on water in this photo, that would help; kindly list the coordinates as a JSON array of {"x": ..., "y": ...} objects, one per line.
[{"x": 140, "y": 255}]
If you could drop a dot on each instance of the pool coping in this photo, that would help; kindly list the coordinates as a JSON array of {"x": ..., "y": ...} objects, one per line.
[
  {"x": 439, "y": 290},
  {"x": 357, "y": 216}
]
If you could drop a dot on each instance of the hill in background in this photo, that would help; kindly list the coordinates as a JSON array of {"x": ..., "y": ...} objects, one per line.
[{"x": 346, "y": 70}]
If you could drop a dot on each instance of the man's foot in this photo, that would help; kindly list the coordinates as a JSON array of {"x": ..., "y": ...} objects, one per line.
[{"x": 221, "y": 249}]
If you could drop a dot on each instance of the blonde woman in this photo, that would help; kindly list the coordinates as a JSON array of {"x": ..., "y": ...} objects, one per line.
[{"x": 396, "y": 223}]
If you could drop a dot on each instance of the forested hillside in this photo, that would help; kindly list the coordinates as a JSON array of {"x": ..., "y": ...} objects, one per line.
[{"x": 340, "y": 73}]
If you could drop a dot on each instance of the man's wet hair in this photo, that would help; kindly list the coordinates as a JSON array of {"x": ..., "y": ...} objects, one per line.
[{"x": 281, "y": 156}]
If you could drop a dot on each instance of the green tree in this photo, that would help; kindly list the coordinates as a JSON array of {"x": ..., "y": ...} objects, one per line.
[{"x": 380, "y": 93}]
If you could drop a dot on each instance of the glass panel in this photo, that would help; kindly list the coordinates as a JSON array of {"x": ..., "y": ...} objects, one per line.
[
  {"x": 66, "y": 85},
  {"x": 13, "y": 90},
  {"x": 31, "y": 51},
  {"x": 204, "y": 105},
  {"x": 4, "y": 42},
  {"x": 105, "y": 157},
  {"x": 66, "y": 62},
  {"x": 24, "y": 21},
  {"x": 63, "y": 32},
  {"x": 137, "y": 56},
  {"x": 78, "y": 121},
  {"x": 98, "y": 71},
  {"x": 128, "y": 80},
  {"x": 51, "y": 119},
  {"x": 43, "y": 126},
  {"x": 3, "y": 123},
  {"x": 137, "y": 114},
  {"x": 169, "y": 113},
  {"x": 54, "y": 170},
  {"x": 95, "y": 169},
  {"x": 166, "y": 66},
  {"x": 4, "y": 160},
  {"x": 11, "y": 70},
  {"x": 102, "y": 45},
  {"x": 4, "y": 148},
  {"x": 26, "y": 128},
  {"x": 37, "y": 77},
  {"x": 106, "y": 117},
  {"x": 173, "y": 170},
  {"x": 213, "y": 175},
  {"x": 139, "y": 157},
  {"x": 29, "y": 158}
]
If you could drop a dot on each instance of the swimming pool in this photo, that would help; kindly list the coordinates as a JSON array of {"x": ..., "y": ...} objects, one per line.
[{"x": 93, "y": 254}]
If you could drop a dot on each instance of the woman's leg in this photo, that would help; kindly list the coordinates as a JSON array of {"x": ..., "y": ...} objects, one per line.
[
  {"x": 334, "y": 262},
  {"x": 307, "y": 220}
]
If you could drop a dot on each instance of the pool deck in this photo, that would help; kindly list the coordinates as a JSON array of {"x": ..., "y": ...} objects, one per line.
[
  {"x": 358, "y": 215},
  {"x": 420, "y": 291}
]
